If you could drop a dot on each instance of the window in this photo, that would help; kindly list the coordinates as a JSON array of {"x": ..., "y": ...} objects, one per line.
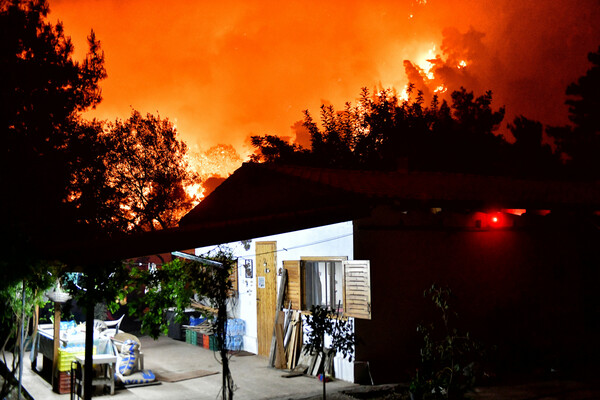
[
  {"x": 323, "y": 282},
  {"x": 329, "y": 281}
]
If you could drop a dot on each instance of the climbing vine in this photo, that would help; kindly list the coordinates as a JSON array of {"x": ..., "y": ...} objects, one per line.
[{"x": 151, "y": 292}]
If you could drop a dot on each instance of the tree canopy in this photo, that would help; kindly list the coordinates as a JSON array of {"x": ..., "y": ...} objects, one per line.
[
  {"x": 66, "y": 178},
  {"x": 385, "y": 131},
  {"x": 147, "y": 172},
  {"x": 381, "y": 131},
  {"x": 42, "y": 89},
  {"x": 580, "y": 143}
]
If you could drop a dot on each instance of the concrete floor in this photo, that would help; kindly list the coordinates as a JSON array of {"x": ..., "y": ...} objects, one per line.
[
  {"x": 255, "y": 381},
  {"x": 252, "y": 377}
]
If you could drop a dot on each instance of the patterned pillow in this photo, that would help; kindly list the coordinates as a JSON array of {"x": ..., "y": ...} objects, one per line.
[
  {"x": 127, "y": 358},
  {"x": 140, "y": 377}
]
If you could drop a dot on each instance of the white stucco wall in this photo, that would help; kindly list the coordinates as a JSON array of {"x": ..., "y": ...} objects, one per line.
[{"x": 327, "y": 241}]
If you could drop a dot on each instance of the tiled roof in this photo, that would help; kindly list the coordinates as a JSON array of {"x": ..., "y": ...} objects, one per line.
[
  {"x": 259, "y": 200},
  {"x": 289, "y": 188},
  {"x": 449, "y": 187}
]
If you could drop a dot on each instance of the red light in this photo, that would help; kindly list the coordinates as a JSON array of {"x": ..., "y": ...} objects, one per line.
[{"x": 496, "y": 220}]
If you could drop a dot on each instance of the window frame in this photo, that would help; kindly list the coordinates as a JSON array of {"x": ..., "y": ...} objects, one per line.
[
  {"x": 355, "y": 304},
  {"x": 304, "y": 260}
]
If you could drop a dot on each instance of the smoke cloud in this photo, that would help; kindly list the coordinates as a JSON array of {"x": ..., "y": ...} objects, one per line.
[{"x": 222, "y": 71}]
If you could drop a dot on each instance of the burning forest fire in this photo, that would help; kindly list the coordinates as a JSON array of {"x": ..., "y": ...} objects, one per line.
[{"x": 227, "y": 71}]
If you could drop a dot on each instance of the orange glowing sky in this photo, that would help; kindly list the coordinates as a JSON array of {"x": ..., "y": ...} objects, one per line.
[{"x": 224, "y": 70}]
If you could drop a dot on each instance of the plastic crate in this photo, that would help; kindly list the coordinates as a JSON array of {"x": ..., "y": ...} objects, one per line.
[
  {"x": 206, "y": 341},
  {"x": 64, "y": 382},
  {"x": 65, "y": 356},
  {"x": 191, "y": 336},
  {"x": 213, "y": 344},
  {"x": 234, "y": 343},
  {"x": 200, "y": 339}
]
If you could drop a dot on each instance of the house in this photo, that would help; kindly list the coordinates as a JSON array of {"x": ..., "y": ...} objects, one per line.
[{"x": 520, "y": 256}]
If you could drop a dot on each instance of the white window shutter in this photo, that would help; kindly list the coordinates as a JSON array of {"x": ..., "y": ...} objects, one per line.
[{"x": 357, "y": 289}]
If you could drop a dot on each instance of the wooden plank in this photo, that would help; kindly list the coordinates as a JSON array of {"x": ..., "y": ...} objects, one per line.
[
  {"x": 297, "y": 340},
  {"x": 280, "y": 353},
  {"x": 200, "y": 306},
  {"x": 291, "y": 349},
  {"x": 288, "y": 333},
  {"x": 278, "y": 316},
  {"x": 304, "y": 358},
  {"x": 296, "y": 345},
  {"x": 317, "y": 365}
]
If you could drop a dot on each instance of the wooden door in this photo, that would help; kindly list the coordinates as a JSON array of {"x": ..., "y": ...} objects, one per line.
[{"x": 266, "y": 293}]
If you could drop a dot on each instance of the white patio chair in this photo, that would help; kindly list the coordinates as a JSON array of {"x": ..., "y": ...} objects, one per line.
[{"x": 112, "y": 327}]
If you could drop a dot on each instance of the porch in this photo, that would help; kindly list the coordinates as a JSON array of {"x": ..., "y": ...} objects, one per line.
[{"x": 169, "y": 357}]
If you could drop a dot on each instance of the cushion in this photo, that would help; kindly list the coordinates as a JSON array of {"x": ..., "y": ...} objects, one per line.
[
  {"x": 144, "y": 376},
  {"x": 127, "y": 357}
]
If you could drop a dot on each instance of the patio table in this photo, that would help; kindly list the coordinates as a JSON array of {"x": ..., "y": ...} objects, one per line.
[{"x": 107, "y": 363}]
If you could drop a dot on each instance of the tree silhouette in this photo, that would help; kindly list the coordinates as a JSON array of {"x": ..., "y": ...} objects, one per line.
[
  {"x": 273, "y": 149},
  {"x": 65, "y": 179},
  {"x": 128, "y": 176},
  {"x": 148, "y": 171},
  {"x": 42, "y": 89},
  {"x": 69, "y": 178},
  {"x": 531, "y": 155},
  {"x": 580, "y": 144},
  {"x": 380, "y": 131},
  {"x": 384, "y": 132}
]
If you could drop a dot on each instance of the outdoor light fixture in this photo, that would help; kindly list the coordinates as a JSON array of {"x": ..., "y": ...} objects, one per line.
[
  {"x": 196, "y": 258},
  {"x": 497, "y": 220}
]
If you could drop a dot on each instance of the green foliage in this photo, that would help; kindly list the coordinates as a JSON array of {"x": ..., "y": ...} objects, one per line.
[
  {"x": 325, "y": 322},
  {"x": 11, "y": 318},
  {"x": 448, "y": 358},
  {"x": 151, "y": 292},
  {"x": 99, "y": 284},
  {"x": 173, "y": 286},
  {"x": 65, "y": 179}
]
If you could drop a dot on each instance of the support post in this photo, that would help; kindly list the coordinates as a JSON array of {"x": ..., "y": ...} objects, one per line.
[
  {"x": 56, "y": 344},
  {"x": 22, "y": 342},
  {"x": 89, "y": 348}
]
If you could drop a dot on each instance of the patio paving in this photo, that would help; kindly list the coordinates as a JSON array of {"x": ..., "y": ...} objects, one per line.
[
  {"x": 252, "y": 377},
  {"x": 255, "y": 381}
]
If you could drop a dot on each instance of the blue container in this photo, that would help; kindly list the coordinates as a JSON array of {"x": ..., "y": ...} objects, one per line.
[{"x": 196, "y": 321}]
